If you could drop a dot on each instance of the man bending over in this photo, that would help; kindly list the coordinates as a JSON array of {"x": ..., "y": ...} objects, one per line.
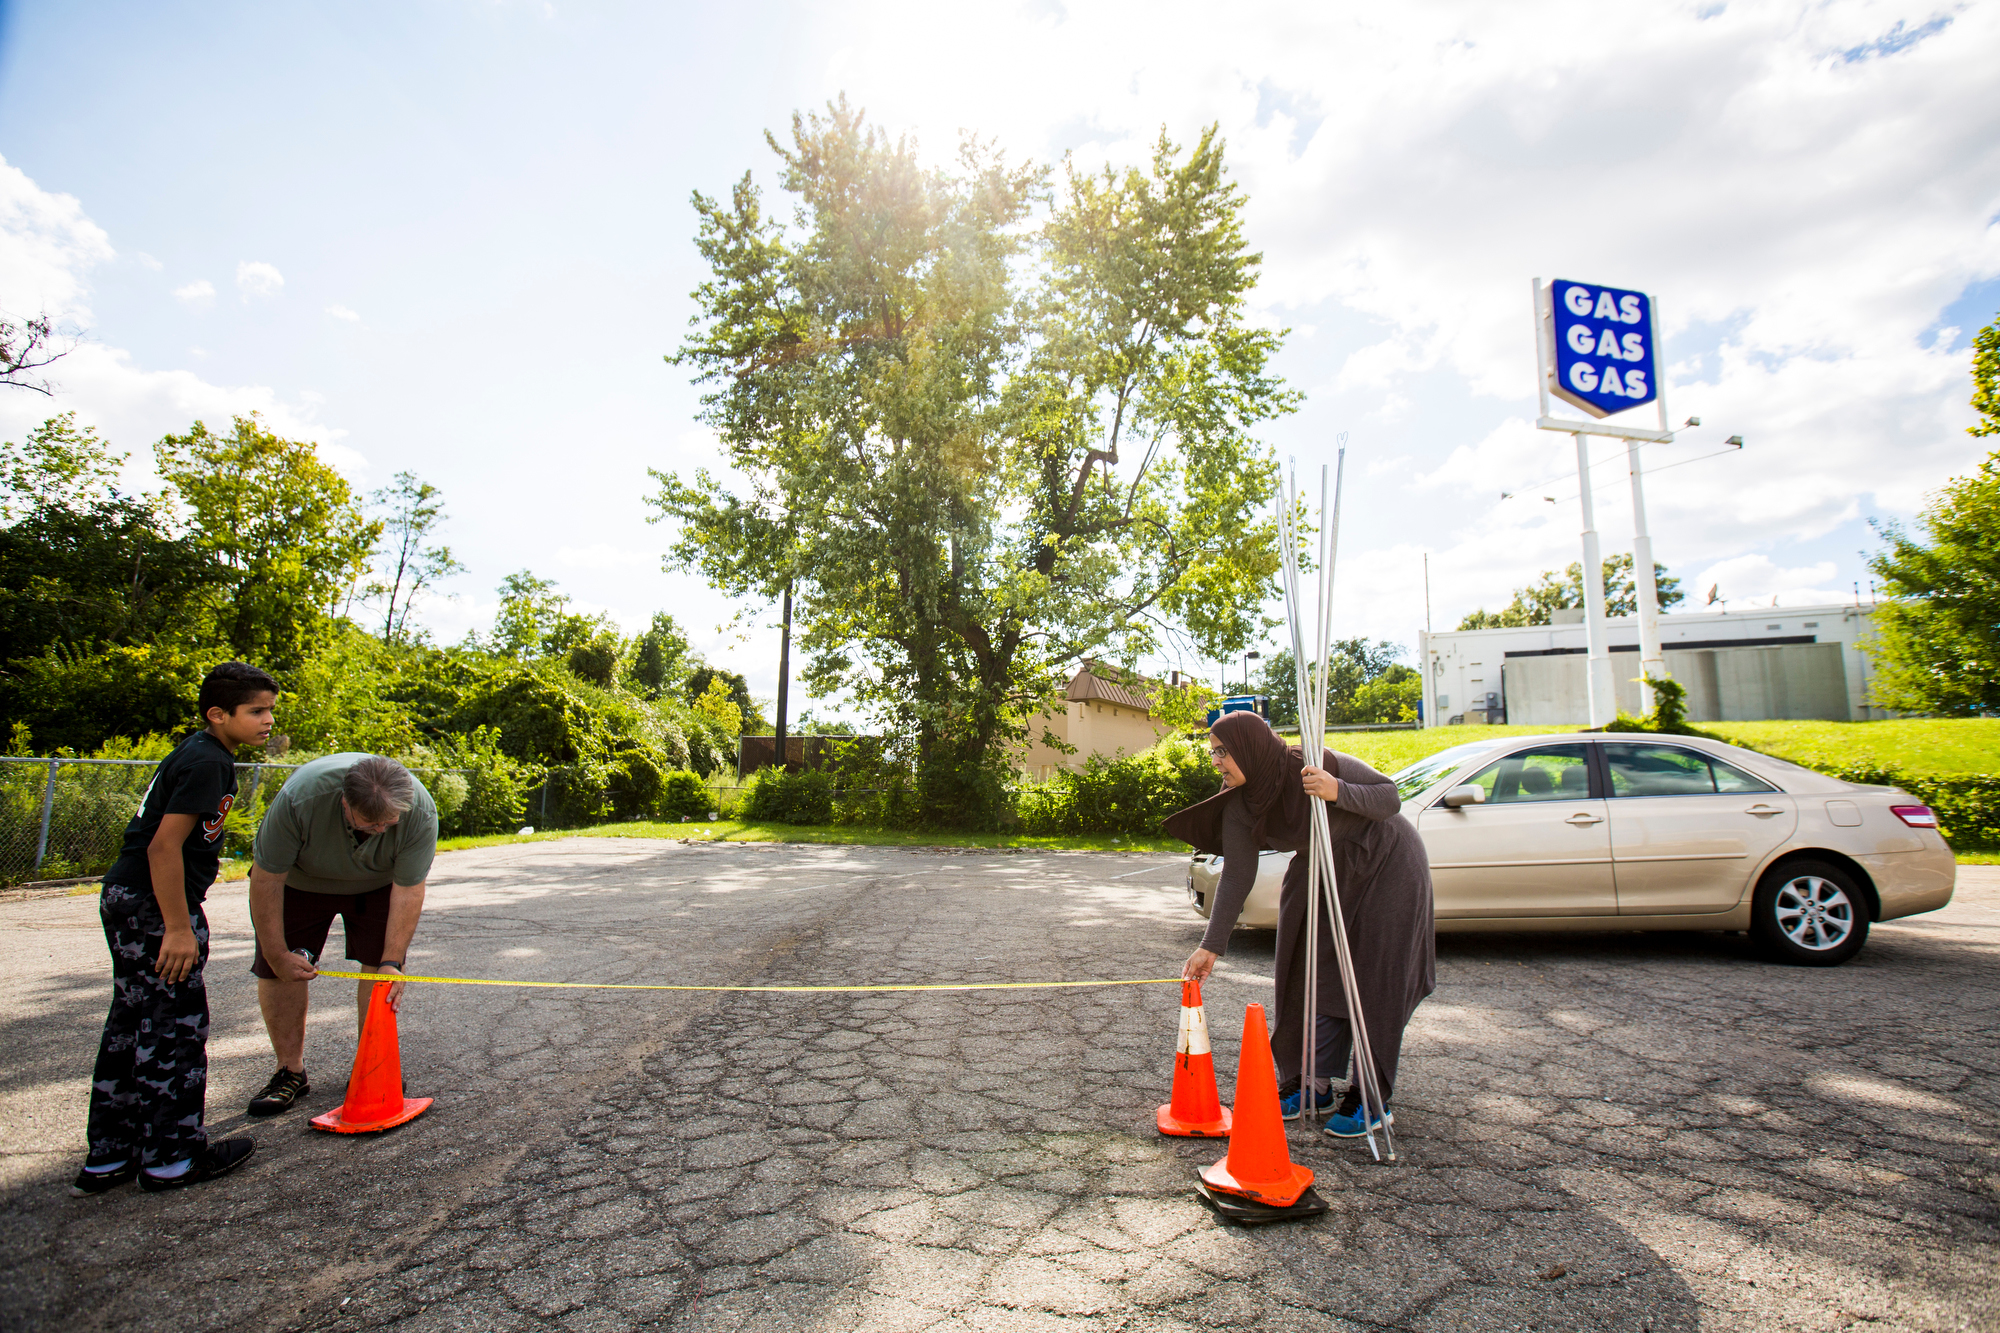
[{"x": 353, "y": 836}]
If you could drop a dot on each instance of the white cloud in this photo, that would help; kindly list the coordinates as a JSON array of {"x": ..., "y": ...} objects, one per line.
[
  {"x": 198, "y": 293},
  {"x": 603, "y": 555},
  {"x": 342, "y": 312},
  {"x": 48, "y": 247},
  {"x": 147, "y": 260},
  {"x": 256, "y": 278},
  {"x": 1753, "y": 579}
]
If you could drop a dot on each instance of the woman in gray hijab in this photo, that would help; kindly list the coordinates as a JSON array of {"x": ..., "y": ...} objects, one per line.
[{"x": 1384, "y": 882}]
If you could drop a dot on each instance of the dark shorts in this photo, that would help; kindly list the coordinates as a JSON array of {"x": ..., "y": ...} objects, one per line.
[{"x": 309, "y": 916}]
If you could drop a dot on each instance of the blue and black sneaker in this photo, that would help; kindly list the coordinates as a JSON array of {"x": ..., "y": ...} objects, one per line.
[
  {"x": 97, "y": 1180},
  {"x": 1345, "y": 1122},
  {"x": 1293, "y": 1105}
]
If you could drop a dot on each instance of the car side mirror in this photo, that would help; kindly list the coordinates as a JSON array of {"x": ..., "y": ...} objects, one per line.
[{"x": 1470, "y": 793}]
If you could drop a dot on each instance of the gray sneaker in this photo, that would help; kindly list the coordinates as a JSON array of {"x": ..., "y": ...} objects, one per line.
[{"x": 281, "y": 1094}]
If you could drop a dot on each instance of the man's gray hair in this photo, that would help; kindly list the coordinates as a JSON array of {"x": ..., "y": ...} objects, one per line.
[{"x": 376, "y": 787}]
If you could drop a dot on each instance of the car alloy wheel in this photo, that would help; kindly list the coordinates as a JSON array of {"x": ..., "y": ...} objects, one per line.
[
  {"x": 1811, "y": 912},
  {"x": 1814, "y": 913}
]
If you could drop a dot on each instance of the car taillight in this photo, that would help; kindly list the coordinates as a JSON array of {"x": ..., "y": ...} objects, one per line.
[{"x": 1916, "y": 816}]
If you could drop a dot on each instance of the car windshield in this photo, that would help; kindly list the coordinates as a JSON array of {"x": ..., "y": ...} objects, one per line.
[{"x": 1420, "y": 775}]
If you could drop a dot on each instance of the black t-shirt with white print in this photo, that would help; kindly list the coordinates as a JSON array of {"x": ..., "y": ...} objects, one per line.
[{"x": 199, "y": 779}]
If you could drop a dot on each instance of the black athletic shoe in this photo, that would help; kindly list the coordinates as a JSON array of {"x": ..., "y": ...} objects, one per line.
[
  {"x": 281, "y": 1094},
  {"x": 218, "y": 1159},
  {"x": 88, "y": 1183}
]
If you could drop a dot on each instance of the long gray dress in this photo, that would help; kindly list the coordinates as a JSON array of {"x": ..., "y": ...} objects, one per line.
[{"x": 1384, "y": 880}]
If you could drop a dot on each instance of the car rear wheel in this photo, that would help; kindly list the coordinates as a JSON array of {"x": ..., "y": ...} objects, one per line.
[{"x": 1810, "y": 912}]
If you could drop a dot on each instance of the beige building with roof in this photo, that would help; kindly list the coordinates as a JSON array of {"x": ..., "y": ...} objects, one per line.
[{"x": 1107, "y": 711}]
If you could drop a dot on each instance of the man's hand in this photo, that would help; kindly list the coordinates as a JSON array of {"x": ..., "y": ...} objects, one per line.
[
  {"x": 179, "y": 953},
  {"x": 291, "y": 966},
  {"x": 1199, "y": 964},
  {"x": 395, "y": 987},
  {"x": 1320, "y": 783}
]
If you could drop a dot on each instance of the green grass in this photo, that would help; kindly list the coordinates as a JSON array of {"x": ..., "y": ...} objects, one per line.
[
  {"x": 1387, "y": 751},
  {"x": 736, "y": 830},
  {"x": 1919, "y": 745}
]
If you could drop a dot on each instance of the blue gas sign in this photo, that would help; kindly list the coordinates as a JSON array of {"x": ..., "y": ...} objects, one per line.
[{"x": 1605, "y": 358}]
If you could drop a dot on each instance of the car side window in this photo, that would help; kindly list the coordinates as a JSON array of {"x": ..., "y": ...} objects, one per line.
[
  {"x": 1729, "y": 778},
  {"x": 1546, "y": 773},
  {"x": 1668, "y": 770}
]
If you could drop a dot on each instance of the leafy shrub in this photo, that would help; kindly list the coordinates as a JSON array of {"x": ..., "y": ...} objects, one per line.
[
  {"x": 1669, "y": 715},
  {"x": 685, "y": 796},
  {"x": 790, "y": 798},
  {"x": 1967, "y": 804},
  {"x": 71, "y": 699},
  {"x": 1129, "y": 794},
  {"x": 449, "y": 792},
  {"x": 496, "y": 784}
]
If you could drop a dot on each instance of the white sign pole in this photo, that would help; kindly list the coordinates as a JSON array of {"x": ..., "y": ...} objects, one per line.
[
  {"x": 1603, "y": 699},
  {"x": 1652, "y": 657}
]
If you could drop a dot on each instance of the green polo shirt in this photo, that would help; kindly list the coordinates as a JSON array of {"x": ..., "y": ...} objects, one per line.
[{"x": 306, "y": 838}]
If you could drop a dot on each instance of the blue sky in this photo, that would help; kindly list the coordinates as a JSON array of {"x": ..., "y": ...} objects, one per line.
[{"x": 454, "y": 237}]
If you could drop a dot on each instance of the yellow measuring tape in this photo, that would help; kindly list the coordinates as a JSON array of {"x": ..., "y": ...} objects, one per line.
[{"x": 613, "y": 985}]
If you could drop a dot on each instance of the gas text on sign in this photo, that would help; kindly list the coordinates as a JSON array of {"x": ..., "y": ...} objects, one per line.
[{"x": 1605, "y": 359}]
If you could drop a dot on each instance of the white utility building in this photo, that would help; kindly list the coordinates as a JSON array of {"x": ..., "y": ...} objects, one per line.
[{"x": 1737, "y": 666}]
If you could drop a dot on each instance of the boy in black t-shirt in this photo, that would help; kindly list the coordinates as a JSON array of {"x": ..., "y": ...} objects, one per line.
[{"x": 148, "y": 1090}]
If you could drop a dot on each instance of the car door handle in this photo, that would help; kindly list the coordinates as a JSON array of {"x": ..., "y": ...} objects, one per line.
[
  {"x": 1584, "y": 819},
  {"x": 1761, "y": 809}
]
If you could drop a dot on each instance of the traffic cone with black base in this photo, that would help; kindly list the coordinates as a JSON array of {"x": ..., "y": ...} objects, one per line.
[
  {"x": 1257, "y": 1182},
  {"x": 375, "y": 1099},
  {"x": 1196, "y": 1110}
]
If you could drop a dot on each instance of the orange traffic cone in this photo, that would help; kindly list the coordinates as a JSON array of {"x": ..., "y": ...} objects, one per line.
[
  {"x": 375, "y": 1098},
  {"x": 1196, "y": 1111},
  {"x": 1259, "y": 1165}
]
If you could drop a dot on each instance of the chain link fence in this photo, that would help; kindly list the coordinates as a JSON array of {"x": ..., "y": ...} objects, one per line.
[{"x": 65, "y": 818}]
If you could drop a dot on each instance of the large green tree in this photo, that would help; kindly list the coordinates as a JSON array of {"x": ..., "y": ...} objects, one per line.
[
  {"x": 81, "y": 564},
  {"x": 1937, "y": 638},
  {"x": 1367, "y": 683},
  {"x": 1534, "y": 604},
  {"x": 978, "y": 443},
  {"x": 283, "y": 527},
  {"x": 412, "y": 509},
  {"x": 661, "y": 658}
]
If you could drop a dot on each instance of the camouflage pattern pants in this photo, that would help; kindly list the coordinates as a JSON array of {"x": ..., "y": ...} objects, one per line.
[{"x": 148, "y": 1091}]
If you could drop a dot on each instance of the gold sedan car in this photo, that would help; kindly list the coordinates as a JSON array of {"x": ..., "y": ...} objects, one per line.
[{"x": 1624, "y": 831}]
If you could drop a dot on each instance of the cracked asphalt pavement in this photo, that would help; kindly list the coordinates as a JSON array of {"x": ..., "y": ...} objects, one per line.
[{"x": 1598, "y": 1131}]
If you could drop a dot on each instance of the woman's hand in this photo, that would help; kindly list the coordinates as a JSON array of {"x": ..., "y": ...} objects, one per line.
[
  {"x": 1199, "y": 964},
  {"x": 1320, "y": 783}
]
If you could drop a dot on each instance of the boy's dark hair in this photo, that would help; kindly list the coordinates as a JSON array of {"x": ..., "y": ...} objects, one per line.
[{"x": 230, "y": 686}]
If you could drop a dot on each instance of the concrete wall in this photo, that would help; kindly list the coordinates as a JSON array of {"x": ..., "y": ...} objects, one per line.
[
  {"x": 1794, "y": 680},
  {"x": 1463, "y": 666}
]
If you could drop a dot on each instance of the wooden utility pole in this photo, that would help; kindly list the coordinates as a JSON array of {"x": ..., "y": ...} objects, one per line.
[{"x": 784, "y": 675}]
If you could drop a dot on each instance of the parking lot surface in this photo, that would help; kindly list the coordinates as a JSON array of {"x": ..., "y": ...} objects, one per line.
[{"x": 1598, "y": 1131}]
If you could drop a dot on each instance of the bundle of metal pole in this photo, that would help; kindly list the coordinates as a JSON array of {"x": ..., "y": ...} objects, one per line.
[
  {"x": 1305, "y": 694},
  {"x": 1314, "y": 683}
]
